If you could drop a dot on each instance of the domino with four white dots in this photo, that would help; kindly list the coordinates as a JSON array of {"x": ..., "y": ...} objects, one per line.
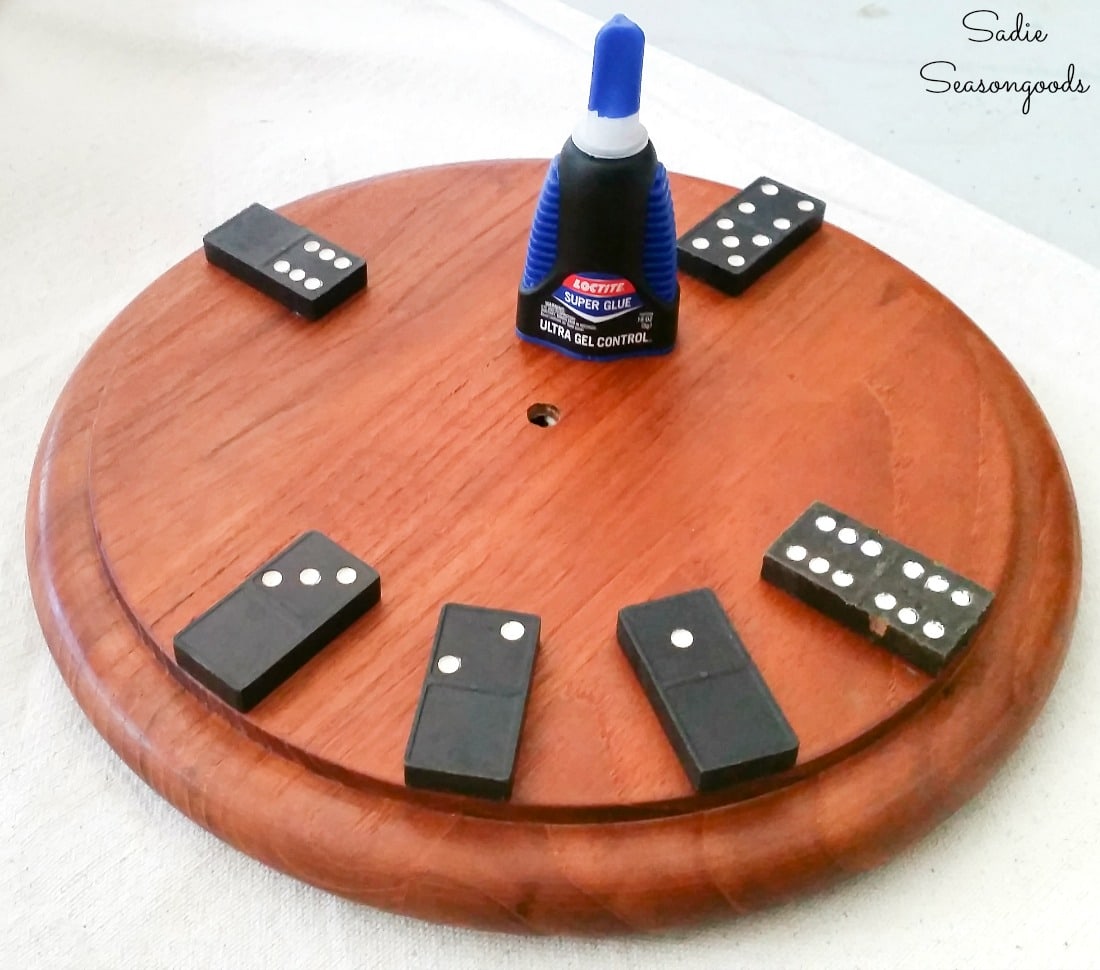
[
  {"x": 261, "y": 633},
  {"x": 911, "y": 604},
  {"x": 745, "y": 237},
  {"x": 467, "y": 725},
  {"x": 303, "y": 271}
]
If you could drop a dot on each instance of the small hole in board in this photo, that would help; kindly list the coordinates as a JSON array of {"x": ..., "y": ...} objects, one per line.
[{"x": 544, "y": 415}]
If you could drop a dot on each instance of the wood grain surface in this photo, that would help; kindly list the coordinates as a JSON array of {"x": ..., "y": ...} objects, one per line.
[{"x": 208, "y": 427}]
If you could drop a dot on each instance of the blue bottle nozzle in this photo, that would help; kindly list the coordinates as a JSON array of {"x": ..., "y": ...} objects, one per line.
[
  {"x": 611, "y": 128},
  {"x": 616, "y": 90}
]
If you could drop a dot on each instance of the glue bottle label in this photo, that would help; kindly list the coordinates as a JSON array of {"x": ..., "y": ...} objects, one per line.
[
  {"x": 598, "y": 296},
  {"x": 577, "y": 314}
]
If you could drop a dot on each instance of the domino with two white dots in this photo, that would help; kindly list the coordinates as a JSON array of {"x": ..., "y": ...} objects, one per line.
[
  {"x": 875, "y": 585},
  {"x": 301, "y": 270},
  {"x": 466, "y": 730},
  {"x": 749, "y": 234}
]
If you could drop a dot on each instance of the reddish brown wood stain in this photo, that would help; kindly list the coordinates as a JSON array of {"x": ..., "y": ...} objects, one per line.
[{"x": 207, "y": 427}]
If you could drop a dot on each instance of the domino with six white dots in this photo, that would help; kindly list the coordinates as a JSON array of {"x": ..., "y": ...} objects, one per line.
[
  {"x": 914, "y": 606},
  {"x": 303, "y": 271},
  {"x": 281, "y": 616},
  {"x": 467, "y": 725},
  {"x": 745, "y": 237}
]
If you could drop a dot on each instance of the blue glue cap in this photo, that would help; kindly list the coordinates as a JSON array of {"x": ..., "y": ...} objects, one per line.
[
  {"x": 610, "y": 128},
  {"x": 616, "y": 90}
]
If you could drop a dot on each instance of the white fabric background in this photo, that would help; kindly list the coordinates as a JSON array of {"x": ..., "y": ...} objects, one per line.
[{"x": 127, "y": 129}]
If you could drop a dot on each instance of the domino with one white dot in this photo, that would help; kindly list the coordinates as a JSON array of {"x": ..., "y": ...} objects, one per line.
[
  {"x": 716, "y": 710},
  {"x": 285, "y": 261},
  {"x": 745, "y": 237},
  {"x": 280, "y": 617},
  {"x": 466, "y": 730},
  {"x": 914, "y": 606}
]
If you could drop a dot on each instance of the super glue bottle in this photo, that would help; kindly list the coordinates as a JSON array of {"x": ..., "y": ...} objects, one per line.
[{"x": 600, "y": 278}]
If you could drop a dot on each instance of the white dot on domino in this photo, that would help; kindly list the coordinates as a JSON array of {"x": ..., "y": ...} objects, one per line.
[
  {"x": 682, "y": 638},
  {"x": 449, "y": 664}
]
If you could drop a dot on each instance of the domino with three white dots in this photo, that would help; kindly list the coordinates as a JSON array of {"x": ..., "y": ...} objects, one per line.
[
  {"x": 896, "y": 596},
  {"x": 285, "y": 261},
  {"x": 282, "y": 615}
]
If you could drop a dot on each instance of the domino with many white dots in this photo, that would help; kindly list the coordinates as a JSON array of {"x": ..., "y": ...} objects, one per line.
[
  {"x": 911, "y": 604},
  {"x": 303, "y": 271},
  {"x": 745, "y": 237},
  {"x": 716, "y": 710},
  {"x": 466, "y": 729},
  {"x": 261, "y": 633}
]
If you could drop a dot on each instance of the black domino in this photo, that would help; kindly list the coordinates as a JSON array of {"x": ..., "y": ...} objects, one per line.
[
  {"x": 303, "y": 271},
  {"x": 711, "y": 700},
  {"x": 745, "y": 237},
  {"x": 911, "y": 604},
  {"x": 251, "y": 641},
  {"x": 467, "y": 725}
]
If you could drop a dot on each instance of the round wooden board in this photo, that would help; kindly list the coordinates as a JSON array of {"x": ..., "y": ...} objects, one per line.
[{"x": 207, "y": 427}]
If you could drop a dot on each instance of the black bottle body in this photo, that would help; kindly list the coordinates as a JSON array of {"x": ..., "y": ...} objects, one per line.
[{"x": 603, "y": 251}]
